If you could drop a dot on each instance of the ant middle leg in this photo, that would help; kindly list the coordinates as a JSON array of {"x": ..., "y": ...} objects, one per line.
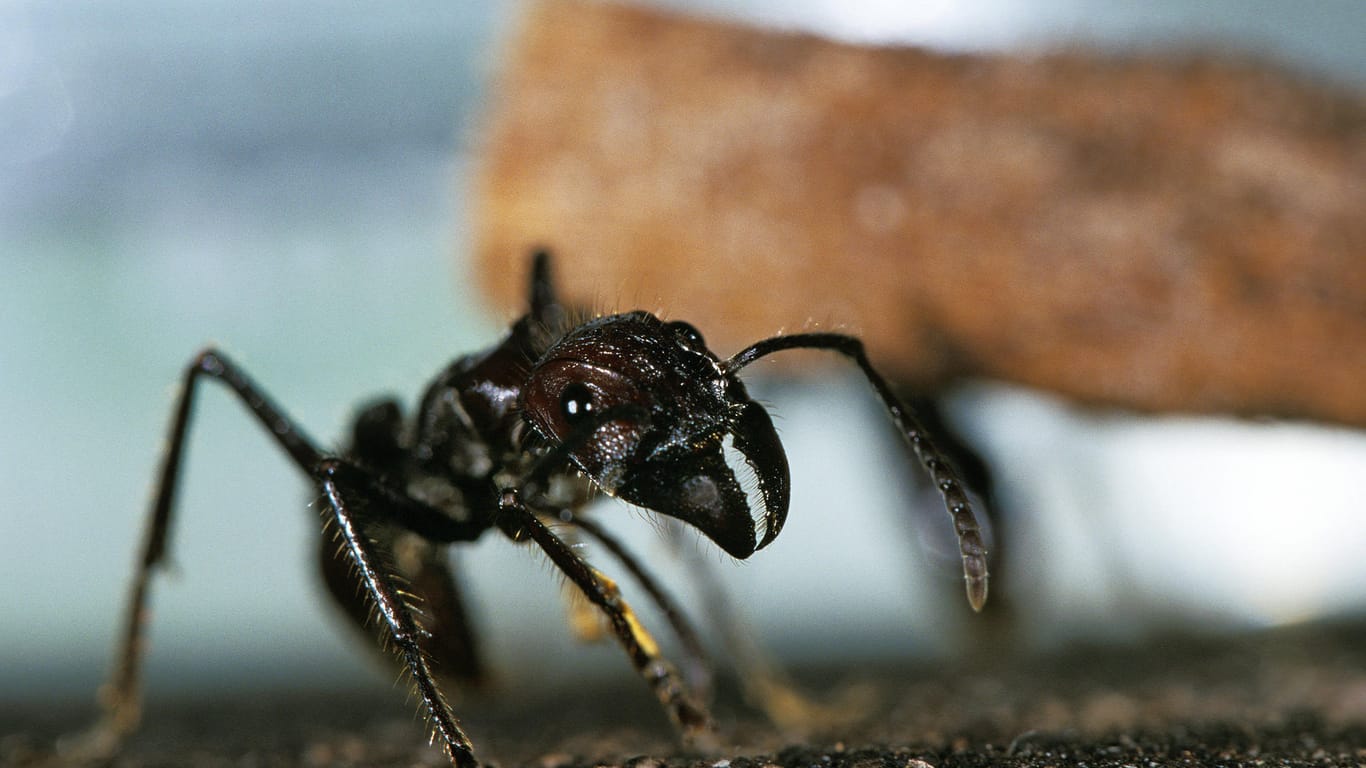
[
  {"x": 349, "y": 502},
  {"x": 446, "y": 632},
  {"x": 423, "y": 565}
]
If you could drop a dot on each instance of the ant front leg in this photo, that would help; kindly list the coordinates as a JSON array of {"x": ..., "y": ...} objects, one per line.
[
  {"x": 690, "y": 717},
  {"x": 698, "y": 665}
]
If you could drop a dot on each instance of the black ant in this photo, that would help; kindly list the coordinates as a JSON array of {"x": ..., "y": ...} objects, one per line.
[{"x": 514, "y": 438}]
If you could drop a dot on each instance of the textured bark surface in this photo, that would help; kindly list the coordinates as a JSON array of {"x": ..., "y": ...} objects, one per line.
[{"x": 1170, "y": 234}]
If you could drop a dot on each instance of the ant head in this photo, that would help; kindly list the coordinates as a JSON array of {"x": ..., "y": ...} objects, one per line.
[{"x": 646, "y": 411}]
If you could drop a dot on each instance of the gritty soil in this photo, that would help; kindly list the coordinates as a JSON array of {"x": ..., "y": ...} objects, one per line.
[{"x": 1292, "y": 697}]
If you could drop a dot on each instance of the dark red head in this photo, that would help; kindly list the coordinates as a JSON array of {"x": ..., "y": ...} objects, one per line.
[{"x": 652, "y": 417}]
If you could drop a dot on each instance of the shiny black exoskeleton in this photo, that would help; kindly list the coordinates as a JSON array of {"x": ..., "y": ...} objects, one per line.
[{"x": 517, "y": 438}]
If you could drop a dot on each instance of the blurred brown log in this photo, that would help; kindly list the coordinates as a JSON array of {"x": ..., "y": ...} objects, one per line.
[{"x": 1171, "y": 234}]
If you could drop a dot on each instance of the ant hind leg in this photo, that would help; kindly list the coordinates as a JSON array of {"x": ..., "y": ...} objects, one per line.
[{"x": 120, "y": 696}]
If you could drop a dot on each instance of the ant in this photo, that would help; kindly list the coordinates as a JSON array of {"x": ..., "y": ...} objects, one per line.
[{"x": 516, "y": 438}]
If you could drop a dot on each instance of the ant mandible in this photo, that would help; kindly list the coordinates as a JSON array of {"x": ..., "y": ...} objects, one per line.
[{"x": 513, "y": 437}]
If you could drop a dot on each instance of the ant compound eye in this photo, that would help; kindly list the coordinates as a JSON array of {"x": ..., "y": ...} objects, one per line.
[
  {"x": 576, "y": 402},
  {"x": 688, "y": 334}
]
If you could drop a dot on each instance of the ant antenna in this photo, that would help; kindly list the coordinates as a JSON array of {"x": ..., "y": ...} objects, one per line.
[{"x": 942, "y": 474}]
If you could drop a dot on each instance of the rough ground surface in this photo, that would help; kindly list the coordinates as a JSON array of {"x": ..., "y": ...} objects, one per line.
[{"x": 1292, "y": 697}]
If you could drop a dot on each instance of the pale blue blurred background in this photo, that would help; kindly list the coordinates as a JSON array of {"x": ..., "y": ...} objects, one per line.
[{"x": 286, "y": 180}]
